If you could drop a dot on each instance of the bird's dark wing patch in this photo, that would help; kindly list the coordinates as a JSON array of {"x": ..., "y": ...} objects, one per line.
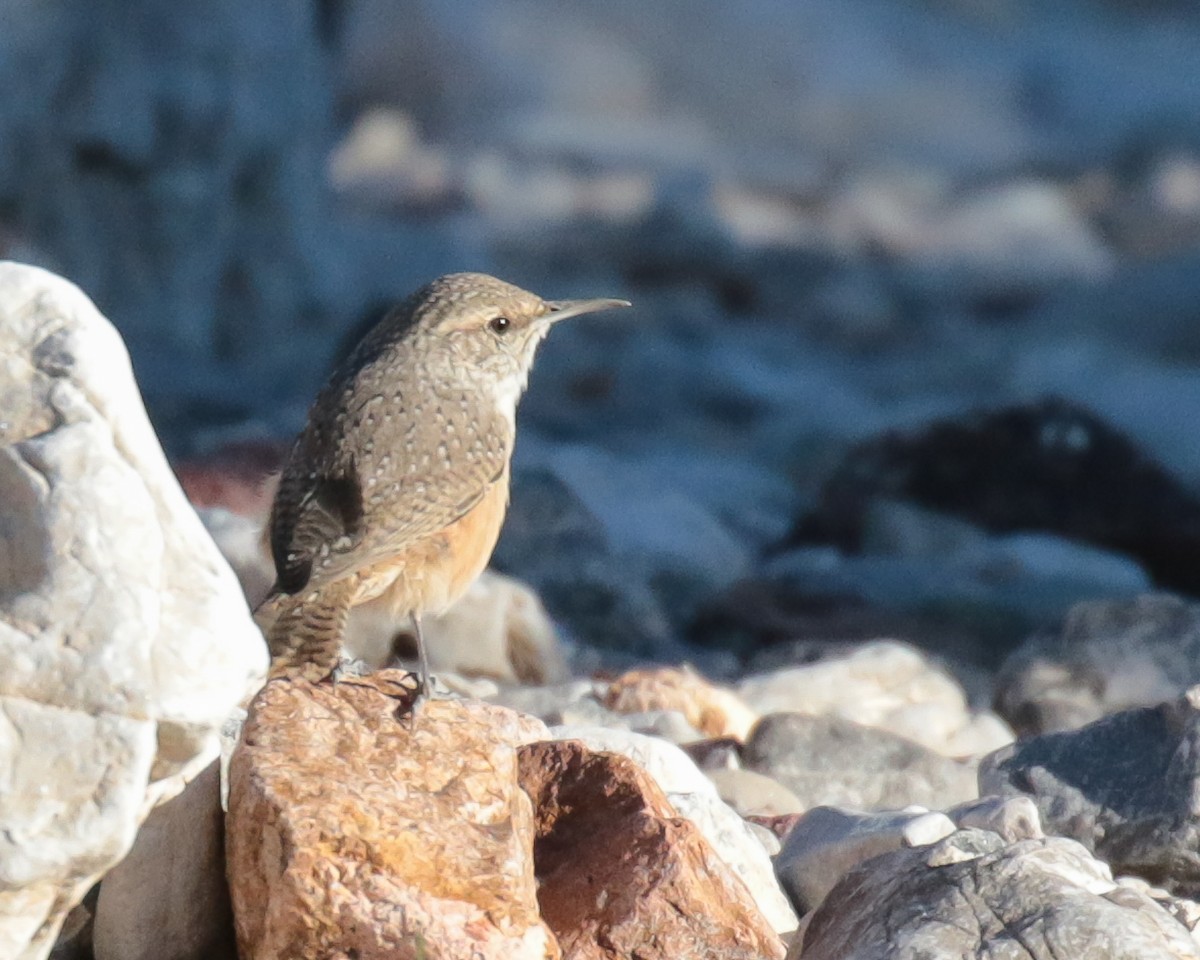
[{"x": 328, "y": 517}]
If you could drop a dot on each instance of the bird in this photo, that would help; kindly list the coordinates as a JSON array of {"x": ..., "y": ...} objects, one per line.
[{"x": 398, "y": 484}]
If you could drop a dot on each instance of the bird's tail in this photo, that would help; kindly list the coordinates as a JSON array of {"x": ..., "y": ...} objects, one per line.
[{"x": 304, "y": 632}]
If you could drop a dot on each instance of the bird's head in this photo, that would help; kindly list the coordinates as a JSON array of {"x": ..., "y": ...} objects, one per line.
[{"x": 487, "y": 331}]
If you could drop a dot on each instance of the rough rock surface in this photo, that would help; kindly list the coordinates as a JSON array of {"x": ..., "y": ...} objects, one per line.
[
  {"x": 694, "y": 797},
  {"x": 831, "y": 761},
  {"x": 885, "y": 684},
  {"x": 1108, "y": 655},
  {"x": 1124, "y": 787},
  {"x": 621, "y": 875},
  {"x": 169, "y": 899},
  {"x": 972, "y": 896},
  {"x": 124, "y": 636},
  {"x": 354, "y": 830}
]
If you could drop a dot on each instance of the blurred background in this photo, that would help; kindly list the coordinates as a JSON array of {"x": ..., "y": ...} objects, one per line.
[{"x": 916, "y": 346}]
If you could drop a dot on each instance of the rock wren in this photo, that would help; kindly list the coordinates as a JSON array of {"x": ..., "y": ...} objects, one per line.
[{"x": 399, "y": 481}]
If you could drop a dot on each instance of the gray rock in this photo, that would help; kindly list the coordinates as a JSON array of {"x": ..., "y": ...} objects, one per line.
[
  {"x": 125, "y": 638},
  {"x": 168, "y": 899},
  {"x": 901, "y": 529},
  {"x": 1185, "y": 911},
  {"x": 645, "y": 512},
  {"x": 718, "y": 753},
  {"x": 832, "y": 761},
  {"x": 971, "y": 895},
  {"x": 827, "y": 842},
  {"x": 1013, "y": 818},
  {"x": 670, "y": 726},
  {"x": 1108, "y": 655},
  {"x": 1123, "y": 786},
  {"x": 1009, "y": 470}
]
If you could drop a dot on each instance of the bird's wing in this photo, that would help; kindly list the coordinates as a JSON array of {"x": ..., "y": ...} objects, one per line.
[
  {"x": 311, "y": 517},
  {"x": 326, "y": 527}
]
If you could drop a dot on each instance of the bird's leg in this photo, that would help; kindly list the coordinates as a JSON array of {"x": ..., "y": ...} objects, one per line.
[
  {"x": 306, "y": 638},
  {"x": 425, "y": 688}
]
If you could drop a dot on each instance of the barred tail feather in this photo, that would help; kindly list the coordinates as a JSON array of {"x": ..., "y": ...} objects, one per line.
[{"x": 305, "y": 638}]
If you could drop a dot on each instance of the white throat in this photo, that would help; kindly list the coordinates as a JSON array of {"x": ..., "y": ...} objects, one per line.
[{"x": 508, "y": 395}]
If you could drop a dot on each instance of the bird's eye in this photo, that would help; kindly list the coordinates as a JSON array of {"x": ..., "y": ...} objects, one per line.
[{"x": 499, "y": 324}]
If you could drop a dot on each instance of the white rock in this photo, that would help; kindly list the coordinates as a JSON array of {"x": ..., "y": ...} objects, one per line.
[
  {"x": 888, "y": 685},
  {"x": 546, "y": 702},
  {"x": 125, "y": 638},
  {"x": 695, "y": 797},
  {"x": 669, "y": 725}
]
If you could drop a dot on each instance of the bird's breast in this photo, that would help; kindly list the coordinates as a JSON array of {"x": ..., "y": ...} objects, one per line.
[{"x": 433, "y": 572}]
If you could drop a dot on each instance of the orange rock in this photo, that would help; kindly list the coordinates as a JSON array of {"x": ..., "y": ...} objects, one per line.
[
  {"x": 620, "y": 875},
  {"x": 354, "y": 831},
  {"x": 712, "y": 710}
]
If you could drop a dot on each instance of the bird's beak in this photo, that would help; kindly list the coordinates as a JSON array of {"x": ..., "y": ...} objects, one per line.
[{"x": 562, "y": 309}]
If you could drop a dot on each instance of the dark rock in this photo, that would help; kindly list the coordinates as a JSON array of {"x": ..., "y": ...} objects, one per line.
[
  {"x": 1124, "y": 787},
  {"x": 829, "y": 760},
  {"x": 1052, "y": 466},
  {"x": 1106, "y": 656},
  {"x": 973, "y": 896}
]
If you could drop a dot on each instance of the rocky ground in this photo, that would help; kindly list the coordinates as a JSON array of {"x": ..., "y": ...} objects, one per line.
[{"x": 827, "y": 800}]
